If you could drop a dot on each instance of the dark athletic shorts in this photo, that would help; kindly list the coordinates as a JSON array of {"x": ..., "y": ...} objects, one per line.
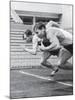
[
  {"x": 55, "y": 52},
  {"x": 69, "y": 48}
]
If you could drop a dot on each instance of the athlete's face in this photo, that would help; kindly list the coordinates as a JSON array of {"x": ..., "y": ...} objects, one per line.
[{"x": 40, "y": 33}]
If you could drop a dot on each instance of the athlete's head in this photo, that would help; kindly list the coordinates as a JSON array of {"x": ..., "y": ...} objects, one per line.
[
  {"x": 40, "y": 29},
  {"x": 27, "y": 35}
]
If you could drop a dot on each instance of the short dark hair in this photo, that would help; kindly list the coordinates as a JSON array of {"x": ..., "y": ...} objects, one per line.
[
  {"x": 28, "y": 32},
  {"x": 39, "y": 26}
]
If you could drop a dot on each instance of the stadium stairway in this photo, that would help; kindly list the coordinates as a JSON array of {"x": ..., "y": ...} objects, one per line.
[{"x": 18, "y": 57}]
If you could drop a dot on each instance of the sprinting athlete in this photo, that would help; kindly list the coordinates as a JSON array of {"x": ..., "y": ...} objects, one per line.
[
  {"x": 47, "y": 51},
  {"x": 65, "y": 39},
  {"x": 59, "y": 38}
]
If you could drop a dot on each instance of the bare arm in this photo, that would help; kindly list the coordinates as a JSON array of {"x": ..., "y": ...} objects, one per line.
[
  {"x": 54, "y": 45},
  {"x": 51, "y": 47},
  {"x": 52, "y": 24},
  {"x": 34, "y": 48}
]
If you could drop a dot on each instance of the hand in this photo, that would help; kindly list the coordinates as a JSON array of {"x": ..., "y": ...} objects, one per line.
[{"x": 42, "y": 48}]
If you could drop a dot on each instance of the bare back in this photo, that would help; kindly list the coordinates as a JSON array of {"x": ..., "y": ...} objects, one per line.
[{"x": 64, "y": 37}]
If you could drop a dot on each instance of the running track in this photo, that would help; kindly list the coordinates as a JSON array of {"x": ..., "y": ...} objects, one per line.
[{"x": 26, "y": 83}]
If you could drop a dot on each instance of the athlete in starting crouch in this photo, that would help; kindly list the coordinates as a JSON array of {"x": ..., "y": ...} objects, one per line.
[
  {"x": 60, "y": 44},
  {"x": 66, "y": 41},
  {"x": 40, "y": 35}
]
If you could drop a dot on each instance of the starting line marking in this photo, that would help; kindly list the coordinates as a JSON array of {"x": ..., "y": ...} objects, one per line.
[{"x": 44, "y": 78}]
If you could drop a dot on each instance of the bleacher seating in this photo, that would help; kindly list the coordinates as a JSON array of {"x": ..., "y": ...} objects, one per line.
[{"x": 19, "y": 58}]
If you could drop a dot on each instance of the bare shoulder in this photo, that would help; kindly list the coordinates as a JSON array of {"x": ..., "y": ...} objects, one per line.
[
  {"x": 50, "y": 32},
  {"x": 35, "y": 38}
]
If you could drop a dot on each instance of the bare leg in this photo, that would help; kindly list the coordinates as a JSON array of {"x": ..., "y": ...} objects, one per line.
[
  {"x": 64, "y": 55},
  {"x": 44, "y": 62}
]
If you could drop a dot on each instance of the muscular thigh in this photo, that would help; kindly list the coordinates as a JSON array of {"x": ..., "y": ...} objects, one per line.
[
  {"x": 64, "y": 55},
  {"x": 45, "y": 56}
]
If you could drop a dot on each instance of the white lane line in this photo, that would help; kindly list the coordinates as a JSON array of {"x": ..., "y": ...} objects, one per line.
[
  {"x": 37, "y": 76},
  {"x": 44, "y": 78},
  {"x": 64, "y": 83}
]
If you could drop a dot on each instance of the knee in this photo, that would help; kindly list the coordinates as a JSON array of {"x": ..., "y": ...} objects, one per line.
[
  {"x": 59, "y": 63},
  {"x": 43, "y": 63}
]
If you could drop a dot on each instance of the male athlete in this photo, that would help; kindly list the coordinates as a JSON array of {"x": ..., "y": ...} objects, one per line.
[
  {"x": 55, "y": 35},
  {"x": 47, "y": 50},
  {"x": 65, "y": 39}
]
